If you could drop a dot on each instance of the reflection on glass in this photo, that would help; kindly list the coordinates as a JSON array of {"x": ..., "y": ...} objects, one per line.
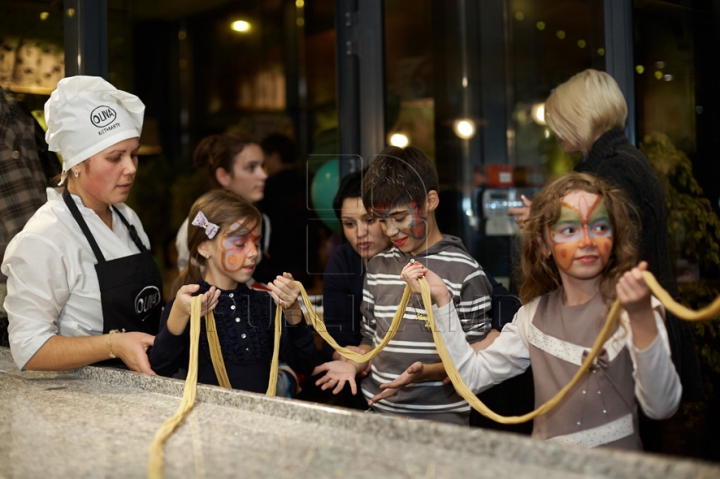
[{"x": 549, "y": 42}]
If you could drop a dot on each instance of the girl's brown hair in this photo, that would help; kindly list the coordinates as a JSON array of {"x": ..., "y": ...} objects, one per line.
[
  {"x": 539, "y": 271},
  {"x": 223, "y": 208},
  {"x": 219, "y": 151}
]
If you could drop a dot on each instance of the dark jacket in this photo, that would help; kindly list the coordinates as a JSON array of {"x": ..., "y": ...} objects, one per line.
[
  {"x": 616, "y": 161},
  {"x": 245, "y": 320}
]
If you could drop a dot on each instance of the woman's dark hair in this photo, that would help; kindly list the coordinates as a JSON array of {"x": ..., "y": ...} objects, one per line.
[
  {"x": 222, "y": 207},
  {"x": 219, "y": 151},
  {"x": 350, "y": 187},
  {"x": 281, "y": 144}
]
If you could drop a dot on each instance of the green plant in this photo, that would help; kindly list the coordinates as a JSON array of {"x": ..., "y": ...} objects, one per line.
[{"x": 693, "y": 228}]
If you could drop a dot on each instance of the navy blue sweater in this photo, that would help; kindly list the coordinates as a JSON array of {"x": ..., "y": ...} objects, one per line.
[{"x": 245, "y": 320}]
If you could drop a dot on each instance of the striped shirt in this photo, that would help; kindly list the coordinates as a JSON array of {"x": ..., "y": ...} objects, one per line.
[{"x": 383, "y": 289}]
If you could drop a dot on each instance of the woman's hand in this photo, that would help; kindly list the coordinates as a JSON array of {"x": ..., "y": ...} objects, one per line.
[
  {"x": 634, "y": 296},
  {"x": 285, "y": 292},
  {"x": 521, "y": 214},
  {"x": 416, "y": 373},
  {"x": 337, "y": 373},
  {"x": 438, "y": 291},
  {"x": 132, "y": 349},
  {"x": 356, "y": 349}
]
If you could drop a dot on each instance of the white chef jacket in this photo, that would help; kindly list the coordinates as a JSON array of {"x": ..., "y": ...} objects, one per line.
[{"x": 52, "y": 284}]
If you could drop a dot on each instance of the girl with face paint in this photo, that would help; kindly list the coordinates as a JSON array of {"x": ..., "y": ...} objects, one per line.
[
  {"x": 223, "y": 241},
  {"x": 579, "y": 253}
]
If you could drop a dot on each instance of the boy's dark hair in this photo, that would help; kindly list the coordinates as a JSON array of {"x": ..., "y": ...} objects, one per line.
[
  {"x": 350, "y": 187},
  {"x": 281, "y": 144},
  {"x": 398, "y": 174}
]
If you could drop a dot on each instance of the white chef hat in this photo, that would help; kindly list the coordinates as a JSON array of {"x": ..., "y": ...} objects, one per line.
[{"x": 86, "y": 114}]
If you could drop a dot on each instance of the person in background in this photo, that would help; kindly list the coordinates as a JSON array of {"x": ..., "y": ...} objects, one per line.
[
  {"x": 587, "y": 114},
  {"x": 82, "y": 284},
  {"x": 294, "y": 244},
  {"x": 345, "y": 272},
  {"x": 22, "y": 178}
]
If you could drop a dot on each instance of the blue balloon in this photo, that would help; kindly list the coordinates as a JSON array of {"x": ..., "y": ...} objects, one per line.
[{"x": 322, "y": 192}]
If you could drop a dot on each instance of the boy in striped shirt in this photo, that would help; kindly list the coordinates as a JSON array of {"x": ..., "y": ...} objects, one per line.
[{"x": 401, "y": 189}]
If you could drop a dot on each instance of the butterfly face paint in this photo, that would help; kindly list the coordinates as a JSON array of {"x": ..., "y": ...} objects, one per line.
[
  {"x": 405, "y": 224},
  {"x": 239, "y": 249},
  {"x": 584, "y": 223}
]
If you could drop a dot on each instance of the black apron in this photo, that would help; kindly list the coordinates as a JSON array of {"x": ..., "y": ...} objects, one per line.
[{"x": 130, "y": 287}]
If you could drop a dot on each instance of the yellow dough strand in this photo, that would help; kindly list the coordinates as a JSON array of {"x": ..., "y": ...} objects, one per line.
[
  {"x": 670, "y": 304},
  {"x": 215, "y": 352},
  {"x": 272, "y": 381},
  {"x": 157, "y": 455},
  {"x": 189, "y": 394},
  {"x": 320, "y": 328}
]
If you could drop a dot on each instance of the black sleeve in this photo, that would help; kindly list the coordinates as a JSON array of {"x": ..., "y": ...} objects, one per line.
[
  {"x": 340, "y": 313},
  {"x": 504, "y": 304},
  {"x": 297, "y": 346},
  {"x": 169, "y": 351}
]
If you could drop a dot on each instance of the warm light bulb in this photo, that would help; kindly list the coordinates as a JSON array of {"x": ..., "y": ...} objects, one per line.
[
  {"x": 241, "y": 26},
  {"x": 400, "y": 140},
  {"x": 537, "y": 112},
  {"x": 44, "y": 15},
  {"x": 464, "y": 128}
]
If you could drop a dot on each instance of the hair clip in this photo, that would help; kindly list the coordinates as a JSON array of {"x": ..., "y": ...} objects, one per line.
[{"x": 211, "y": 229}]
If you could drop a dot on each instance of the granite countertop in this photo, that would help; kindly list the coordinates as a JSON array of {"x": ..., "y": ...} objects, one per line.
[{"x": 99, "y": 422}]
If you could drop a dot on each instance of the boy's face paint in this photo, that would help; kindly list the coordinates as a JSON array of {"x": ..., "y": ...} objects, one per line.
[
  {"x": 405, "y": 224},
  {"x": 583, "y": 234}
]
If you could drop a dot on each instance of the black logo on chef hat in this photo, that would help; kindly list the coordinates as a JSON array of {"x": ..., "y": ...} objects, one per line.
[
  {"x": 102, "y": 116},
  {"x": 146, "y": 301}
]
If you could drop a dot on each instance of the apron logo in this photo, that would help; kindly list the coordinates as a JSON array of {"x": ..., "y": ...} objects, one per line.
[
  {"x": 146, "y": 300},
  {"x": 102, "y": 116}
]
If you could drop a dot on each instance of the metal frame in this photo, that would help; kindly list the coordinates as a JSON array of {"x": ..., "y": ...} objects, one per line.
[
  {"x": 348, "y": 89},
  {"x": 619, "y": 55},
  {"x": 86, "y": 32},
  {"x": 372, "y": 77}
]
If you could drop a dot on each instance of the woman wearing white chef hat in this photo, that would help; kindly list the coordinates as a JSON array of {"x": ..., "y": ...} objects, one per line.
[{"x": 82, "y": 284}]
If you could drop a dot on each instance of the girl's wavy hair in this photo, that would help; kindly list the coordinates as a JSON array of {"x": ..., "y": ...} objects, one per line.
[
  {"x": 540, "y": 274},
  {"x": 219, "y": 151},
  {"x": 222, "y": 207}
]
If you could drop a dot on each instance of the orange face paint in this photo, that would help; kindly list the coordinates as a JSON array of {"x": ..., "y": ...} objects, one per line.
[
  {"x": 239, "y": 247},
  {"x": 584, "y": 222}
]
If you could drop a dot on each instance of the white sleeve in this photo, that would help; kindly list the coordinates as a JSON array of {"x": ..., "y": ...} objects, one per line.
[
  {"x": 657, "y": 385},
  {"x": 506, "y": 357},
  {"x": 181, "y": 246},
  {"x": 37, "y": 291}
]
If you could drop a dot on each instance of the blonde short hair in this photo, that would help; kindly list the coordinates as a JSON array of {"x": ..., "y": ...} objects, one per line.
[{"x": 584, "y": 107}]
